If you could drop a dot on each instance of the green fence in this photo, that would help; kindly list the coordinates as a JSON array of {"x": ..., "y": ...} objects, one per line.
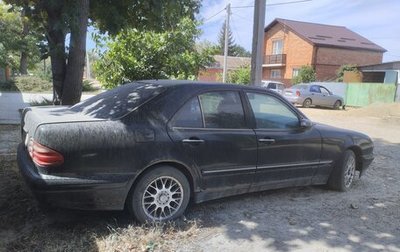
[{"x": 363, "y": 94}]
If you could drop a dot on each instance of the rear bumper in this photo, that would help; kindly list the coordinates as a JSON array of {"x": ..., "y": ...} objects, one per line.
[
  {"x": 101, "y": 193},
  {"x": 294, "y": 99}
]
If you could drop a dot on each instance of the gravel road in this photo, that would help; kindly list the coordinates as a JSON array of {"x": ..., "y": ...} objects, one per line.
[{"x": 367, "y": 218}]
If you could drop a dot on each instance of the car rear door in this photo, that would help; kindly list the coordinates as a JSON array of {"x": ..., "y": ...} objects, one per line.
[
  {"x": 212, "y": 131},
  {"x": 288, "y": 154}
]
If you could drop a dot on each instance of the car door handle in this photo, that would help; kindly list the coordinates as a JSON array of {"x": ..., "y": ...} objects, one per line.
[
  {"x": 266, "y": 140},
  {"x": 193, "y": 141}
]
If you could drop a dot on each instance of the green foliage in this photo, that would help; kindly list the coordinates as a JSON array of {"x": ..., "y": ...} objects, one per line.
[
  {"x": 26, "y": 84},
  {"x": 233, "y": 48},
  {"x": 240, "y": 75},
  {"x": 16, "y": 38},
  {"x": 113, "y": 16},
  {"x": 87, "y": 86},
  {"x": 135, "y": 55},
  {"x": 306, "y": 74},
  {"x": 345, "y": 68},
  {"x": 10, "y": 26}
]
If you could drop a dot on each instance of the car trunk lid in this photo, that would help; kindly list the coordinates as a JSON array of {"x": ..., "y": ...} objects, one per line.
[{"x": 33, "y": 117}]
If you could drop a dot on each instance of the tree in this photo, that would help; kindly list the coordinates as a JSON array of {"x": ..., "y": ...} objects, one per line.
[
  {"x": 345, "y": 68},
  {"x": 306, "y": 74},
  {"x": 16, "y": 40},
  {"x": 221, "y": 41},
  {"x": 233, "y": 48},
  {"x": 135, "y": 55},
  {"x": 240, "y": 75},
  {"x": 240, "y": 51},
  {"x": 61, "y": 17}
]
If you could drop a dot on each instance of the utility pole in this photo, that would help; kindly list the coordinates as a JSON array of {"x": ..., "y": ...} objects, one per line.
[
  {"x": 228, "y": 15},
  {"x": 257, "y": 53}
]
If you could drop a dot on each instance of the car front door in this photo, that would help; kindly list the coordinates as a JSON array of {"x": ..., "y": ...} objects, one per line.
[
  {"x": 212, "y": 130},
  {"x": 288, "y": 154},
  {"x": 316, "y": 96},
  {"x": 328, "y": 99}
]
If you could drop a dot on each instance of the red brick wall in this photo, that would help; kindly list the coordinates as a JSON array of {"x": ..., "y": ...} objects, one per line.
[
  {"x": 328, "y": 60},
  {"x": 298, "y": 51}
]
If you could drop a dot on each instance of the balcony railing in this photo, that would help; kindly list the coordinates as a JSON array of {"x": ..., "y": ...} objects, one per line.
[{"x": 275, "y": 59}]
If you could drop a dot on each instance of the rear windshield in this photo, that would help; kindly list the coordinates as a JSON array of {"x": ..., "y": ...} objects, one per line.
[{"x": 119, "y": 101}]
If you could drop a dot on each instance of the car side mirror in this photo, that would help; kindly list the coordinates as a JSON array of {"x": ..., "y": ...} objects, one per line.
[{"x": 305, "y": 123}]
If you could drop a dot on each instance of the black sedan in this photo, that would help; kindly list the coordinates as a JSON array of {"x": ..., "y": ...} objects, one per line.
[{"x": 153, "y": 146}]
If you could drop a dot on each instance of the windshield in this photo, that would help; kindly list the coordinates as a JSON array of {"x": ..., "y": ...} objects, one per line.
[{"x": 119, "y": 101}]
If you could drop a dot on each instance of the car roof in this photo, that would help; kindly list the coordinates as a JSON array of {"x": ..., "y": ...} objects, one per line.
[{"x": 199, "y": 84}]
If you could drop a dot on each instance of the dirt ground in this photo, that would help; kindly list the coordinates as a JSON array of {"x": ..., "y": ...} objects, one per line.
[{"x": 367, "y": 218}]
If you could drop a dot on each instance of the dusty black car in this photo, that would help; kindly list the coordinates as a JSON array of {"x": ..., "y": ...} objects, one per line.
[{"x": 152, "y": 146}]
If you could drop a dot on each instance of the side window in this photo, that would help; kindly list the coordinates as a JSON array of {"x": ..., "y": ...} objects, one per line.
[
  {"x": 324, "y": 91},
  {"x": 315, "y": 89},
  {"x": 271, "y": 113},
  {"x": 222, "y": 110},
  {"x": 189, "y": 116},
  {"x": 272, "y": 85}
]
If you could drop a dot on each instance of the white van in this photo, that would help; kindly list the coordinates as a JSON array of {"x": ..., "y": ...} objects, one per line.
[{"x": 273, "y": 85}]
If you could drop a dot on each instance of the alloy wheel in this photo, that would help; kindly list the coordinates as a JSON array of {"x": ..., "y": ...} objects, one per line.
[
  {"x": 350, "y": 171},
  {"x": 162, "y": 198}
]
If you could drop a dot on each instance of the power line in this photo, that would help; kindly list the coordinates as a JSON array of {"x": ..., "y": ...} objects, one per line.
[
  {"x": 207, "y": 19},
  {"x": 245, "y": 19},
  {"x": 235, "y": 30},
  {"x": 274, "y": 4}
]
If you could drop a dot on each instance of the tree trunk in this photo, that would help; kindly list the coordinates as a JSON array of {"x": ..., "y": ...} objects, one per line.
[
  {"x": 56, "y": 39},
  {"x": 23, "y": 63},
  {"x": 72, "y": 87}
]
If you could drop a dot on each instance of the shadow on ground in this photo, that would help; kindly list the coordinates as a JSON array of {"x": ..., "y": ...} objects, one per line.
[{"x": 305, "y": 218}]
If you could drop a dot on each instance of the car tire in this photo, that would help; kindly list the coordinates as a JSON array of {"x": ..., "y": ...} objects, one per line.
[
  {"x": 342, "y": 176},
  {"x": 162, "y": 194},
  {"x": 307, "y": 103},
  {"x": 337, "y": 104}
]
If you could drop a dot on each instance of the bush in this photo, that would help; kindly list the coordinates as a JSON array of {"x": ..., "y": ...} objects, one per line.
[
  {"x": 345, "y": 68},
  {"x": 27, "y": 84},
  {"x": 240, "y": 76},
  {"x": 306, "y": 74},
  {"x": 87, "y": 86}
]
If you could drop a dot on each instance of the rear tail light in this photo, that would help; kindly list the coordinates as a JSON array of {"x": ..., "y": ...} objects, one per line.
[
  {"x": 297, "y": 93},
  {"x": 44, "y": 156}
]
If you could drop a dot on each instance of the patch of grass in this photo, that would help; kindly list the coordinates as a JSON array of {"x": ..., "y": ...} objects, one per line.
[
  {"x": 42, "y": 102},
  {"x": 26, "y": 227},
  {"x": 87, "y": 86},
  {"x": 27, "y": 84}
]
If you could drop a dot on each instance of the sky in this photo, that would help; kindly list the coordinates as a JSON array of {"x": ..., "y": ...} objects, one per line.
[{"x": 376, "y": 20}]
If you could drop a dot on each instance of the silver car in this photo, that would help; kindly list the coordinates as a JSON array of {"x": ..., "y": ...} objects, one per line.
[
  {"x": 274, "y": 86},
  {"x": 310, "y": 94}
]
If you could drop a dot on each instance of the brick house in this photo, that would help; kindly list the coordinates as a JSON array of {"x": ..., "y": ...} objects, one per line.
[
  {"x": 214, "y": 72},
  {"x": 292, "y": 44}
]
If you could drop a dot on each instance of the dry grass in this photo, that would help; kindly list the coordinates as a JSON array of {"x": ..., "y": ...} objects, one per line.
[{"x": 25, "y": 227}]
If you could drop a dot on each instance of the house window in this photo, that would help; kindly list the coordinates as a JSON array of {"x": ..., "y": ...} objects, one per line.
[
  {"x": 277, "y": 47},
  {"x": 295, "y": 72},
  {"x": 275, "y": 74}
]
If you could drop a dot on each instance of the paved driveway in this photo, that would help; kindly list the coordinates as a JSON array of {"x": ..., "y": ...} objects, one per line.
[{"x": 11, "y": 102}]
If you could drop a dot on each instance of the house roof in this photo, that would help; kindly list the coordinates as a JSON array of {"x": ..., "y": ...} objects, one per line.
[
  {"x": 233, "y": 62},
  {"x": 327, "y": 35},
  {"x": 393, "y": 65}
]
